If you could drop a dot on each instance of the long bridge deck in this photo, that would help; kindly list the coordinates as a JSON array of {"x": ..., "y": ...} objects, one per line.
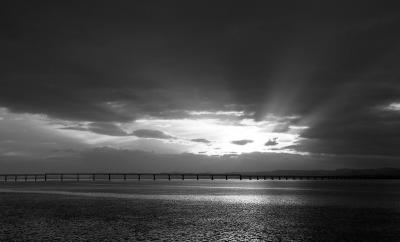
[{"x": 60, "y": 177}]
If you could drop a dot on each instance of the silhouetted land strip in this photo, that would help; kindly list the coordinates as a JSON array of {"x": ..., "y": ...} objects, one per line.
[{"x": 44, "y": 177}]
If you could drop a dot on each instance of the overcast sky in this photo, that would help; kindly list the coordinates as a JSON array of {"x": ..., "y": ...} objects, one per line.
[{"x": 199, "y": 85}]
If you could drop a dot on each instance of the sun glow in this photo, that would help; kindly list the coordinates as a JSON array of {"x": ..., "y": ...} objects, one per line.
[{"x": 219, "y": 136}]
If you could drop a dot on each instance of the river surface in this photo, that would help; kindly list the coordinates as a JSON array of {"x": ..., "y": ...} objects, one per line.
[{"x": 328, "y": 210}]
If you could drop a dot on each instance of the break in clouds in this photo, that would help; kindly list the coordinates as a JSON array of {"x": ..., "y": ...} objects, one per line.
[{"x": 209, "y": 78}]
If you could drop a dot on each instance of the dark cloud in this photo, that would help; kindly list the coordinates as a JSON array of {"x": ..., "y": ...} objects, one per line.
[
  {"x": 79, "y": 128},
  {"x": 242, "y": 142},
  {"x": 150, "y": 133},
  {"x": 101, "y": 128},
  {"x": 114, "y": 130},
  {"x": 282, "y": 128},
  {"x": 271, "y": 142},
  {"x": 107, "y": 129},
  {"x": 329, "y": 64},
  {"x": 201, "y": 141}
]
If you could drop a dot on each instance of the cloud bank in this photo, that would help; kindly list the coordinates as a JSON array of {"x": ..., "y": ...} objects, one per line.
[{"x": 332, "y": 69}]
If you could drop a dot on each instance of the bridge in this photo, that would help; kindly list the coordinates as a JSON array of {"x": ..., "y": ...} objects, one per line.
[{"x": 77, "y": 177}]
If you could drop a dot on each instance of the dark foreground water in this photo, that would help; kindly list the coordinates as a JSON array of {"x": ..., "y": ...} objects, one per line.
[{"x": 201, "y": 210}]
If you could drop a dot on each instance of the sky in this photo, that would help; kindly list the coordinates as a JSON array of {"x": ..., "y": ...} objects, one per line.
[{"x": 199, "y": 85}]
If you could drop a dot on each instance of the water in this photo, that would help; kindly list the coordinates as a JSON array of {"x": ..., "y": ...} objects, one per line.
[{"x": 353, "y": 210}]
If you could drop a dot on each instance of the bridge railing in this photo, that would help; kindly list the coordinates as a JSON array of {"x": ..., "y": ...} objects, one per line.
[{"x": 77, "y": 177}]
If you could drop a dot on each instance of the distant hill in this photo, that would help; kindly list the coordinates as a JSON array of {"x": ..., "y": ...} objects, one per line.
[{"x": 339, "y": 172}]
